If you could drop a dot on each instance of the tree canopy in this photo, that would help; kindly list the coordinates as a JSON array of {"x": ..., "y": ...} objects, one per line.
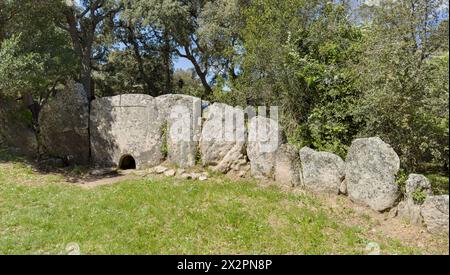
[{"x": 338, "y": 69}]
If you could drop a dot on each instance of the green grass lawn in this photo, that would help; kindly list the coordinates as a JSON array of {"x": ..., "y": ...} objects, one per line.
[{"x": 41, "y": 215}]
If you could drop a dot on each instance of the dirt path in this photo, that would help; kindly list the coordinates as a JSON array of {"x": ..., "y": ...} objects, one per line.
[{"x": 92, "y": 183}]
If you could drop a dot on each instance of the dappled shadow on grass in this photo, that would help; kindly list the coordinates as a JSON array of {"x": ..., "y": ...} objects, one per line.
[
  {"x": 8, "y": 155},
  {"x": 70, "y": 174}
]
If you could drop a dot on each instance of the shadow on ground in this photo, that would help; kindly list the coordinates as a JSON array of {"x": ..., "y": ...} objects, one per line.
[{"x": 71, "y": 174}]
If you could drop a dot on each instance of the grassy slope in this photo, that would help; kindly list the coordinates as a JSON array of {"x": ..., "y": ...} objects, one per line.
[{"x": 40, "y": 215}]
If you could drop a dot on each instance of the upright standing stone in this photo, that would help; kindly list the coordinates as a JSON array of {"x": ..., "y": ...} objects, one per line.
[
  {"x": 64, "y": 124},
  {"x": 264, "y": 139},
  {"x": 371, "y": 168},
  {"x": 181, "y": 115},
  {"x": 322, "y": 171},
  {"x": 287, "y": 165},
  {"x": 222, "y": 143},
  {"x": 126, "y": 125}
]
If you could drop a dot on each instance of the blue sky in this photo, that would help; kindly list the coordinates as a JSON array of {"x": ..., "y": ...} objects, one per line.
[{"x": 182, "y": 63}]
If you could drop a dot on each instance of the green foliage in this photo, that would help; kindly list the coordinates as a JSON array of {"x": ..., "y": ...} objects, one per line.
[
  {"x": 204, "y": 32},
  {"x": 121, "y": 73},
  {"x": 401, "y": 179},
  {"x": 187, "y": 82},
  {"x": 405, "y": 83},
  {"x": 232, "y": 98},
  {"x": 419, "y": 196},
  {"x": 165, "y": 145},
  {"x": 219, "y": 24},
  {"x": 306, "y": 66},
  {"x": 198, "y": 156},
  {"x": 439, "y": 183},
  {"x": 19, "y": 71},
  {"x": 36, "y": 55},
  {"x": 24, "y": 116}
]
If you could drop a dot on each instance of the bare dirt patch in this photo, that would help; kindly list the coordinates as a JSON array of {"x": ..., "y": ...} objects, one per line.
[{"x": 95, "y": 182}]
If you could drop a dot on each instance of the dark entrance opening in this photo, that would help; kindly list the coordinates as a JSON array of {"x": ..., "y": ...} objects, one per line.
[{"x": 127, "y": 162}]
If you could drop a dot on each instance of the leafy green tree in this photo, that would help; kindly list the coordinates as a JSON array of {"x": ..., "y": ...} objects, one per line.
[
  {"x": 122, "y": 73},
  {"x": 219, "y": 26},
  {"x": 40, "y": 56},
  {"x": 178, "y": 19},
  {"x": 35, "y": 59},
  {"x": 300, "y": 56},
  {"x": 404, "y": 75},
  {"x": 7, "y": 12},
  {"x": 187, "y": 82},
  {"x": 202, "y": 31},
  {"x": 84, "y": 21},
  {"x": 18, "y": 71},
  {"x": 152, "y": 55}
]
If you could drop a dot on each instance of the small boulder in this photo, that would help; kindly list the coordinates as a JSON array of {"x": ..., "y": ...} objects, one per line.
[
  {"x": 343, "y": 188},
  {"x": 435, "y": 211},
  {"x": 242, "y": 174},
  {"x": 103, "y": 172},
  {"x": 160, "y": 169},
  {"x": 50, "y": 163},
  {"x": 170, "y": 173},
  {"x": 180, "y": 171},
  {"x": 370, "y": 171},
  {"x": 186, "y": 176},
  {"x": 322, "y": 171},
  {"x": 416, "y": 183}
]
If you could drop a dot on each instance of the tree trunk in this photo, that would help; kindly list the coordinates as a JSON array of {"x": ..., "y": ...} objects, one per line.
[
  {"x": 83, "y": 49},
  {"x": 150, "y": 87},
  {"x": 167, "y": 63},
  {"x": 86, "y": 78},
  {"x": 34, "y": 107},
  {"x": 201, "y": 74},
  {"x": 203, "y": 79}
]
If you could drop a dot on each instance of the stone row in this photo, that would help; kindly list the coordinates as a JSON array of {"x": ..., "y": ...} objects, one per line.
[{"x": 146, "y": 129}]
